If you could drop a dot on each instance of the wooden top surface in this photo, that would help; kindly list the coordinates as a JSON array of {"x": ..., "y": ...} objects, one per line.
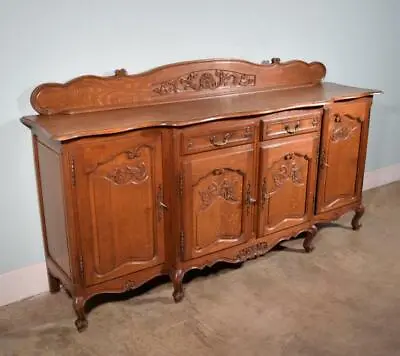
[{"x": 62, "y": 127}]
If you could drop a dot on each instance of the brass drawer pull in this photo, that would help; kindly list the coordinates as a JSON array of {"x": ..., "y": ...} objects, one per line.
[
  {"x": 293, "y": 130},
  {"x": 214, "y": 142}
]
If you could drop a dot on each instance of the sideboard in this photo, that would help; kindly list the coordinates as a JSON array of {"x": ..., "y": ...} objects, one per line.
[{"x": 189, "y": 164}]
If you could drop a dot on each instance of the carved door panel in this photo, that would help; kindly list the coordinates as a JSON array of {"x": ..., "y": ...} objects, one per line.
[
  {"x": 343, "y": 151},
  {"x": 218, "y": 202},
  {"x": 119, "y": 194},
  {"x": 287, "y": 182}
]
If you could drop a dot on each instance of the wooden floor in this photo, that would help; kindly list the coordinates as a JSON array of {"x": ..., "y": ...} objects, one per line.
[{"x": 343, "y": 299}]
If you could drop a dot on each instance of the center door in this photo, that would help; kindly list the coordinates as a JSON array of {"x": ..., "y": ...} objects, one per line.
[
  {"x": 218, "y": 202},
  {"x": 287, "y": 182}
]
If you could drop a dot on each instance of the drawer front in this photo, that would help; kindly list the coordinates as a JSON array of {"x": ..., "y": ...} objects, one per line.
[
  {"x": 291, "y": 122},
  {"x": 216, "y": 135}
]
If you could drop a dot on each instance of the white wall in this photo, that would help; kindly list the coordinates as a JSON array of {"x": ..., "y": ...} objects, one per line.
[{"x": 48, "y": 40}]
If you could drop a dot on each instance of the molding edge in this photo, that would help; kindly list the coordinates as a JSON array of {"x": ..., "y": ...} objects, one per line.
[{"x": 32, "y": 280}]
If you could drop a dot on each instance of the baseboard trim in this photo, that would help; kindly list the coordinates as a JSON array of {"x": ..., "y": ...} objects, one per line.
[
  {"x": 23, "y": 283},
  {"x": 381, "y": 176},
  {"x": 32, "y": 280}
]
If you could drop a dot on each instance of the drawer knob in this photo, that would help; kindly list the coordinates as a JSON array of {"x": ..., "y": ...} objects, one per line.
[
  {"x": 292, "y": 130},
  {"x": 225, "y": 140}
]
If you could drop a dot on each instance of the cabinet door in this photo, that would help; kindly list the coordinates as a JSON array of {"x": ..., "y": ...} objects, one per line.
[
  {"x": 342, "y": 157},
  {"x": 287, "y": 182},
  {"x": 119, "y": 192},
  {"x": 217, "y": 199}
]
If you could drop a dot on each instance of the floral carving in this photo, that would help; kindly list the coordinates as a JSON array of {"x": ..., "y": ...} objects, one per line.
[
  {"x": 131, "y": 154},
  {"x": 134, "y": 153},
  {"x": 224, "y": 189},
  {"x": 340, "y": 133},
  {"x": 121, "y": 72},
  {"x": 287, "y": 168},
  {"x": 128, "y": 174},
  {"x": 315, "y": 122},
  {"x": 252, "y": 251},
  {"x": 205, "y": 80},
  {"x": 129, "y": 285},
  {"x": 343, "y": 129}
]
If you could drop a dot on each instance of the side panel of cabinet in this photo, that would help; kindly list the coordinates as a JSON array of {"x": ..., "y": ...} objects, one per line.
[
  {"x": 343, "y": 151},
  {"x": 287, "y": 182},
  {"x": 119, "y": 193},
  {"x": 217, "y": 200},
  {"x": 52, "y": 205}
]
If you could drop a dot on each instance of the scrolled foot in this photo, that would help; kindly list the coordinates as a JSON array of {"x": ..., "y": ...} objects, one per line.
[
  {"x": 81, "y": 322},
  {"x": 308, "y": 240},
  {"x": 359, "y": 212},
  {"x": 54, "y": 283},
  {"x": 178, "y": 295},
  {"x": 177, "y": 277},
  {"x": 309, "y": 248}
]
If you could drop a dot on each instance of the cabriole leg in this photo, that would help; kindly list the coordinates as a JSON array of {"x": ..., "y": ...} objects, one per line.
[
  {"x": 359, "y": 212},
  {"x": 177, "y": 277},
  {"x": 81, "y": 322},
  {"x": 307, "y": 244}
]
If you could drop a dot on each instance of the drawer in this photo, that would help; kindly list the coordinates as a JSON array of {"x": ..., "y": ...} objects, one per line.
[
  {"x": 216, "y": 135},
  {"x": 291, "y": 122}
]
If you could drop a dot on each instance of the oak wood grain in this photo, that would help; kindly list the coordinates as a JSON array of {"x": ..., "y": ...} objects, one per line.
[
  {"x": 188, "y": 165},
  {"x": 67, "y": 127},
  {"x": 287, "y": 182},
  {"x": 342, "y": 157},
  {"x": 173, "y": 82}
]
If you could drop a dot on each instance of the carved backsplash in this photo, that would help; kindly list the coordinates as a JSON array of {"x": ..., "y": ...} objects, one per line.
[
  {"x": 179, "y": 81},
  {"x": 205, "y": 80}
]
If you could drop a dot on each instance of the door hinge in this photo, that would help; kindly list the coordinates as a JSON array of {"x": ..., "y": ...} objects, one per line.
[
  {"x": 182, "y": 245},
  {"x": 180, "y": 189},
  {"x": 73, "y": 172},
  {"x": 81, "y": 269}
]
